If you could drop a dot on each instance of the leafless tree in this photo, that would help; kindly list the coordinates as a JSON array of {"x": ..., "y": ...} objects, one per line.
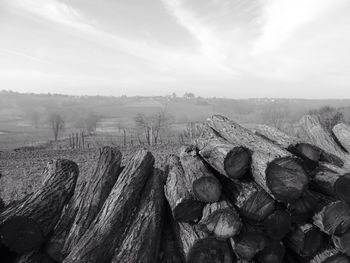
[{"x": 57, "y": 124}]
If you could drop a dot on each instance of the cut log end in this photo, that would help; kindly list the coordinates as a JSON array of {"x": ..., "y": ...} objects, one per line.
[
  {"x": 188, "y": 211},
  {"x": 341, "y": 188},
  {"x": 273, "y": 253},
  {"x": 21, "y": 234},
  {"x": 342, "y": 242},
  {"x": 286, "y": 179},
  {"x": 237, "y": 162},
  {"x": 278, "y": 224},
  {"x": 223, "y": 223},
  {"x": 249, "y": 245},
  {"x": 307, "y": 152},
  {"x": 207, "y": 189},
  {"x": 210, "y": 250},
  {"x": 258, "y": 206}
]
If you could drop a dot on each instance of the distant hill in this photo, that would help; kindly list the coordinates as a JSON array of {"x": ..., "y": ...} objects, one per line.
[{"x": 19, "y": 110}]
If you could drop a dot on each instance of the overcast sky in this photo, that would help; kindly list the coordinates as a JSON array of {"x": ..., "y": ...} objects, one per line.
[{"x": 222, "y": 48}]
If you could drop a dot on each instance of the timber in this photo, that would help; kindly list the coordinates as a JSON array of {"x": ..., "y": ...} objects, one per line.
[
  {"x": 185, "y": 207},
  {"x": 85, "y": 205},
  {"x": 342, "y": 132},
  {"x": 142, "y": 240},
  {"x": 230, "y": 160},
  {"x": 104, "y": 234},
  {"x": 250, "y": 199},
  {"x": 330, "y": 255},
  {"x": 273, "y": 253},
  {"x": 276, "y": 170},
  {"x": 248, "y": 244},
  {"x": 304, "y": 239},
  {"x": 278, "y": 224},
  {"x": 205, "y": 186},
  {"x": 342, "y": 242},
  {"x": 332, "y": 180},
  {"x": 220, "y": 220},
  {"x": 42, "y": 208},
  {"x": 310, "y": 129}
]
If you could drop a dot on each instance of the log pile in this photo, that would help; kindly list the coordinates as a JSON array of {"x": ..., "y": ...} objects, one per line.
[{"x": 235, "y": 195}]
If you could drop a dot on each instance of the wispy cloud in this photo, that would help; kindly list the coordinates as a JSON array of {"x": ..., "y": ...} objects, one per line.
[{"x": 26, "y": 56}]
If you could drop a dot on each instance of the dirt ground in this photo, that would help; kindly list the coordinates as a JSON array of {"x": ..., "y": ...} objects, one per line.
[{"x": 21, "y": 169}]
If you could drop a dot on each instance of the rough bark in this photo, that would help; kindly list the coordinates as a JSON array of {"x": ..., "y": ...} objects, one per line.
[
  {"x": 204, "y": 185},
  {"x": 273, "y": 168},
  {"x": 304, "y": 239},
  {"x": 42, "y": 207},
  {"x": 220, "y": 220},
  {"x": 249, "y": 198},
  {"x": 342, "y": 132},
  {"x": 228, "y": 159},
  {"x": 332, "y": 180},
  {"x": 104, "y": 234},
  {"x": 142, "y": 240},
  {"x": 183, "y": 204},
  {"x": 85, "y": 205},
  {"x": 310, "y": 129},
  {"x": 330, "y": 255},
  {"x": 277, "y": 224},
  {"x": 169, "y": 249}
]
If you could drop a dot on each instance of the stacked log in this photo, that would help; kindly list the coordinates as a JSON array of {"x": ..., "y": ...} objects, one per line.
[{"x": 342, "y": 132}]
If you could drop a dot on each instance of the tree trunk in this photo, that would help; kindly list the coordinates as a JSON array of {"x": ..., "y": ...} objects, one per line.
[
  {"x": 273, "y": 168},
  {"x": 142, "y": 240},
  {"x": 304, "y": 239},
  {"x": 183, "y": 204},
  {"x": 228, "y": 159},
  {"x": 342, "y": 132},
  {"x": 42, "y": 208},
  {"x": 310, "y": 129},
  {"x": 203, "y": 184},
  {"x": 196, "y": 246},
  {"x": 332, "y": 180},
  {"x": 220, "y": 220},
  {"x": 330, "y": 255},
  {"x": 85, "y": 205},
  {"x": 249, "y": 198},
  {"x": 104, "y": 234}
]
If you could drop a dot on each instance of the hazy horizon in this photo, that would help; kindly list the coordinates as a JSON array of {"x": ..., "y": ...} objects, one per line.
[{"x": 233, "y": 49}]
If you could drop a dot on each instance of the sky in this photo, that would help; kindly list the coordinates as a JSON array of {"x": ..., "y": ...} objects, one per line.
[{"x": 221, "y": 48}]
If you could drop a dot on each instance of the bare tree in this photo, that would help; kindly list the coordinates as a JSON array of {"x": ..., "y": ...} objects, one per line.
[{"x": 57, "y": 124}]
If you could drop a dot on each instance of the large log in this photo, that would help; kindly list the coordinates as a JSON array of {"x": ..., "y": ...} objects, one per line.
[
  {"x": 169, "y": 249},
  {"x": 276, "y": 170},
  {"x": 184, "y": 206},
  {"x": 342, "y": 132},
  {"x": 333, "y": 218},
  {"x": 273, "y": 253},
  {"x": 278, "y": 224},
  {"x": 301, "y": 148},
  {"x": 204, "y": 185},
  {"x": 342, "y": 242},
  {"x": 248, "y": 244},
  {"x": 196, "y": 246},
  {"x": 27, "y": 223},
  {"x": 105, "y": 232},
  {"x": 220, "y": 220},
  {"x": 249, "y": 198},
  {"x": 85, "y": 205},
  {"x": 330, "y": 255},
  {"x": 310, "y": 129},
  {"x": 332, "y": 180},
  {"x": 228, "y": 159},
  {"x": 142, "y": 240},
  {"x": 304, "y": 239}
]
